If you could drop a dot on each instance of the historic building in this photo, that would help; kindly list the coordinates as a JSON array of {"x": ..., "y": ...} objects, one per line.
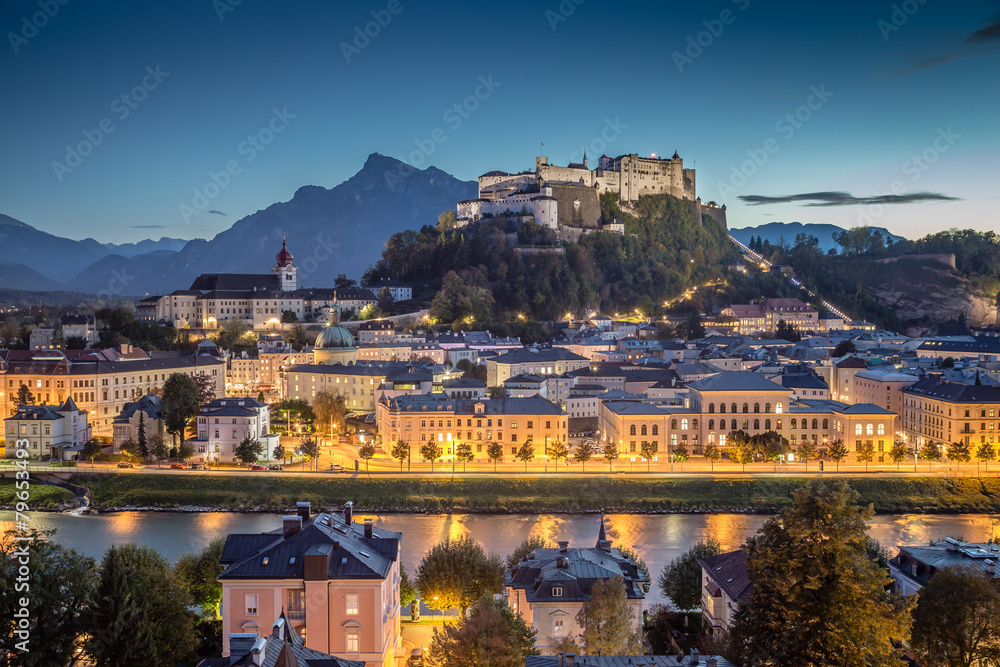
[
  {"x": 147, "y": 411},
  {"x": 511, "y": 422},
  {"x": 549, "y": 587},
  {"x": 335, "y": 344},
  {"x": 758, "y": 317},
  {"x": 336, "y": 580},
  {"x": 940, "y": 412},
  {"x": 533, "y": 360},
  {"x": 262, "y": 301},
  {"x": 224, "y": 423},
  {"x": 56, "y": 431},
  {"x": 724, "y": 582}
]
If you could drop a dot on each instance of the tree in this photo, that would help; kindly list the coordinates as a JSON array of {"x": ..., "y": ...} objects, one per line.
[
  {"x": 343, "y": 282},
  {"x": 898, "y": 452},
  {"x": 931, "y": 451},
  {"x": 289, "y": 317},
  {"x": 558, "y": 451},
  {"x": 986, "y": 453},
  {"x": 260, "y": 398},
  {"x": 609, "y": 627},
  {"x": 815, "y": 596},
  {"x": 610, "y": 452},
  {"x": 496, "y": 393},
  {"x": 456, "y": 573},
  {"x": 695, "y": 328},
  {"x": 279, "y": 453},
  {"x": 681, "y": 454},
  {"x": 24, "y": 396},
  {"x": 713, "y": 454},
  {"x": 490, "y": 634},
  {"x": 249, "y": 450},
  {"x": 186, "y": 450},
  {"x": 956, "y": 622},
  {"x": 837, "y": 451},
  {"x": 786, "y": 331},
  {"x": 180, "y": 403},
  {"x": 206, "y": 388},
  {"x": 76, "y": 343},
  {"x": 58, "y": 588},
  {"x": 140, "y": 611},
  {"x": 140, "y": 438},
  {"x": 401, "y": 452},
  {"x": 865, "y": 453},
  {"x": 525, "y": 453},
  {"x": 430, "y": 452},
  {"x": 158, "y": 448},
  {"x": 527, "y": 546},
  {"x": 197, "y": 574},
  {"x": 959, "y": 452},
  {"x": 807, "y": 451},
  {"x": 463, "y": 454},
  {"x": 584, "y": 452},
  {"x": 408, "y": 594},
  {"x": 330, "y": 409},
  {"x": 367, "y": 452},
  {"x": 843, "y": 348},
  {"x": 309, "y": 448},
  {"x": 91, "y": 449},
  {"x": 680, "y": 580},
  {"x": 741, "y": 453},
  {"x": 463, "y": 297},
  {"x": 131, "y": 449},
  {"x": 494, "y": 452}
]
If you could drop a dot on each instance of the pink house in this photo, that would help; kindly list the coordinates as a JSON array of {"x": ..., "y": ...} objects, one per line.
[{"x": 336, "y": 581}]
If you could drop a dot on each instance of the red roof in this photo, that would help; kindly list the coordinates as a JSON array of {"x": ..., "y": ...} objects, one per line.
[{"x": 284, "y": 257}]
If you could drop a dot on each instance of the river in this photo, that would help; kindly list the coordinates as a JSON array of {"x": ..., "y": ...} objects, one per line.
[{"x": 658, "y": 538}]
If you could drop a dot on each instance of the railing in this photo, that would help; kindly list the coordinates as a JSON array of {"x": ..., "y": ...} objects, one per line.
[{"x": 295, "y": 614}]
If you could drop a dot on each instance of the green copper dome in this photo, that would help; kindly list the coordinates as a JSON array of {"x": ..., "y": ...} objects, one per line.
[{"x": 332, "y": 337}]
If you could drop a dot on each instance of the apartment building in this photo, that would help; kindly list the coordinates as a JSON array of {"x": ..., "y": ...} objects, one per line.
[{"x": 936, "y": 411}]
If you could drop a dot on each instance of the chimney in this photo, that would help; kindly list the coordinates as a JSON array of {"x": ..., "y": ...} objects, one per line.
[
  {"x": 711, "y": 662},
  {"x": 240, "y": 644},
  {"x": 349, "y": 513},
  {"x": 571, "y": 660},
  {"x": 562, "y": 661},
  {"x": 695, "y": 658},
  {"x": 278, "y": 630},
  {"x": 304, "y": 507},
  {"x": 291, "y": 525},
  {"x": 368, "y": 528},
  {"x": 563, "y": 545},
  {"x": 259, "y": 651}
]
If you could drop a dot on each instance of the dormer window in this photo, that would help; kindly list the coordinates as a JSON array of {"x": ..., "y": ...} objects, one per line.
[{"x": 557, "y": 591}]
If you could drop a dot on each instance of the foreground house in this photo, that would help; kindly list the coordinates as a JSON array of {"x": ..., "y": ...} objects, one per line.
[
  {"x": 336, "y": 581},
  {"x": 724, "y": 582},
  {"x": 550, "y": 586},
  {"x": 912, "y": 567},
  {"x": 282, "y": 648}
]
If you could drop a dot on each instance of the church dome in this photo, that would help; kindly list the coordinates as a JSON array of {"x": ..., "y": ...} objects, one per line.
[
  {"x": 332, "y": 337},
  {"x": 284, "y": 257}
]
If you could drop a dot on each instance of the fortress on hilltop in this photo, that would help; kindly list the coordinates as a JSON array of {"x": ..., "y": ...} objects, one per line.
[{"x": 567, "y": 199}]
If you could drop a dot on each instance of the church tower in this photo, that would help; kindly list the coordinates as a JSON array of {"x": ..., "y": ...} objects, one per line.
[{"x": 286, "y": 272}]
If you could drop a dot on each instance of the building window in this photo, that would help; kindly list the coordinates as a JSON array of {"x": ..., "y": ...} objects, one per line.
[
  {"x": 352, "y": 604},
  {"x": 250, "y": 602},
  {"x": 558, "y": 627},
  {"x": 557, "y": 591},
  {"x": 353, "y": 643}
]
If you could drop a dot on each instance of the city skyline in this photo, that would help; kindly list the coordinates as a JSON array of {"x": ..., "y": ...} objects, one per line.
[{"x": 747, "y": 93}]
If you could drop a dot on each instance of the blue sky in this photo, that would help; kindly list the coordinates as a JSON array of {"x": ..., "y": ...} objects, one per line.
[{"x": 873, "y": 85}]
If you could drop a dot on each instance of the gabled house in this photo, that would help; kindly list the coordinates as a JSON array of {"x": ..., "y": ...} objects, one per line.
[
  {"x": 148, "y": 410},
  {"x": 724, "y": 582},
  {"x": 549, "y": 587},
  {"x": 50, "y": 431}
]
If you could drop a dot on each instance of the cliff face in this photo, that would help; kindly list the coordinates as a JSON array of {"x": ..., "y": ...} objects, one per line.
[{"x": 926, "y": 289}]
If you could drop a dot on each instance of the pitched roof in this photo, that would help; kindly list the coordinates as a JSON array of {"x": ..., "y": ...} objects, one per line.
[
  {"x": 956, "y": 392},
  {"x": 537, "y": 355},
  {"x": 575, "y": 571},
  {"x": 736, "y": 381},
  {"x": 729, "y": 572},
  {"x": 863, "y": 409}
]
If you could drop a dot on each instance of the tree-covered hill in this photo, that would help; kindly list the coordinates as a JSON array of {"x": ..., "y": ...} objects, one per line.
[{"x": 499, "y": 269}]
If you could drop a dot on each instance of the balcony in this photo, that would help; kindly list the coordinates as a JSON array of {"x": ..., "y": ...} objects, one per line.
[{"x": 295, "y": 614}]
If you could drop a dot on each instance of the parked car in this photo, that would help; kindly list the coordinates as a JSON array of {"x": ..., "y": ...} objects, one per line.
[
  {"x": 198, "y": 466},
  {"x": 177, "y": 466},
  {"x": 336, "y": 467},
  {"x": 257, "y": 466},
  {"x": 416, "y": 658},
  {"x": 275, "y": 466},
  {"x": 125, "y": 464}
]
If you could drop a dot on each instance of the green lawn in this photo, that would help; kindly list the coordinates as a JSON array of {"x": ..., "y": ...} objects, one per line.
[
  {"x": 39, "y": 495},
  {"x": 611, "y": 494}
]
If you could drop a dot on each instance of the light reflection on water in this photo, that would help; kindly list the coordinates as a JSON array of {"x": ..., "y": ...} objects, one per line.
[{"x": 658, "y": 538}]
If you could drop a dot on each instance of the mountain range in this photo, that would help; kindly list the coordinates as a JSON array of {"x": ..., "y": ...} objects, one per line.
[
  {"x": 329, "y": 231},
  {"x": 777, "y": 231}
]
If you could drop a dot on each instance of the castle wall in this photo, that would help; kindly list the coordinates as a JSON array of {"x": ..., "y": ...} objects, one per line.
[
  {"x": 577, "y": 206},
  {"x": 490, "y": 184},
  {"x": 551, "y": 174}
]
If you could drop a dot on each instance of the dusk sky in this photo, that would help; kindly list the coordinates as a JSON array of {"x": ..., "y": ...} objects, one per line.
[{"x": 886, "y": 82}]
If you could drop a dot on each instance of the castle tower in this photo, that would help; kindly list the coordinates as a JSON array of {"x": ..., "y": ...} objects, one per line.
[{"x": 286, "y": 272}]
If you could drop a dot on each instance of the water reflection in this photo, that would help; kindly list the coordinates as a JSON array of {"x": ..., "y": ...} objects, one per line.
[{"x": 658, "y": 538}]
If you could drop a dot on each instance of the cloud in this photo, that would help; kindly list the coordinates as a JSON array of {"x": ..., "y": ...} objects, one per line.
[
  {"x": 985, "y": 39},
  {"x": 151, "y": 226},
  {"x": 845, "y": 199}
]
